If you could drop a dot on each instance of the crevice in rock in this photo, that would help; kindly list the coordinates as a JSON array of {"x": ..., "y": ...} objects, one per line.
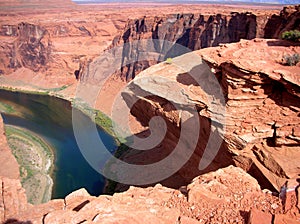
[
  {"x": 65, "y": 204},
  {"x": 264, "y": 183},
  {"x": 271, "y": 141},
  {"x": 273, "y": 219},
  {"x": 2, "y": 195},
  {"x": 44, "y": 217},
  {"x": 93, "y": 219},
  {"x": 178, "y": 221},
  {"x": 268, "y": 162},
  {"x": 81, "y": 205},
  {"x": 297, "y": 191}
]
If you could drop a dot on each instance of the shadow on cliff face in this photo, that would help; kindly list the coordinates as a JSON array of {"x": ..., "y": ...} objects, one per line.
[
  {"x": 269, "y": 30},
  {"x": 144, "y": 111},
  {"x": 242, "y": 26},
  {"x": 189, "y": 30},
  {"x": 282, "y": 43},
  {"x": 289, "y": 19}
]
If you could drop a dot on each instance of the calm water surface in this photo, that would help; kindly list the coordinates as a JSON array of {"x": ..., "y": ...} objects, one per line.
[{"x": 51, "y": 119}]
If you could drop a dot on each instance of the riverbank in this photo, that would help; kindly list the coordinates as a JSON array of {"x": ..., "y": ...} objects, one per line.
[
  {"x": 35, "y": 158},
  {"x": 96, "y": 116},
  {"x": 64, "y": 92}
]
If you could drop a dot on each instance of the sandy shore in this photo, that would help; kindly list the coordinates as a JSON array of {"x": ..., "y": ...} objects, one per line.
[{"x": 35, "y": 158}]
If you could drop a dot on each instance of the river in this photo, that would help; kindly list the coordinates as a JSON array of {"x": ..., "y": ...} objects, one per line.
[{"x": 51, "y": 119}]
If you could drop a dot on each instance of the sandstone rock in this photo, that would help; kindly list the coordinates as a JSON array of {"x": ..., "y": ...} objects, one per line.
[
  {"x": 238, "y": 193},
  {"x": 259, "y": 217},
  {"x": 221, "y": 185},
  {"x": 282, "y": 219},
  {"x": 286, "y": 21},
  {"x": 263, "y": 115},
  {"x": 260, "y": 120},
  {"x": 13, "y": 197},
  {"x": 288, "y": 195},
  {"x": 193, "y": 31},
  {"x": 9, "y": 165},
  {"x": 37, "y": 213},
  {"x": 78, "y": 199}
]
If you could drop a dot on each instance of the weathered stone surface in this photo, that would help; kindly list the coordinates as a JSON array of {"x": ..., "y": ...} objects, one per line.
[
  {"x": 78, "y": 199},
  {"x": 259, "y": 217},
  {"x": 263, "y": 118},
  {"x": 193, "y": 31},
  {"x": 13, "y": 198},
  {"x": 237, "y": 193},
  {"x": 9, "y": 165},
  {"x": 262, "y": 113},
  {"x": 262, "y": 109},
  {"x": 283, "y": 219}
]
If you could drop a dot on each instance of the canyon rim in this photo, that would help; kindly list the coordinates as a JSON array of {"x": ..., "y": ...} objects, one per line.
[{"x": 232, "y": 56}]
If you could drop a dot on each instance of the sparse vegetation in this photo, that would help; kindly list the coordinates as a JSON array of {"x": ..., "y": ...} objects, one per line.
[
  {"x": 57, "y": 89},
  {"x": 101, "y": 119},
  {"x": 169, "y": 60},
  {"x": 293, "y": 35},
  {"x": 34, "y": 157},
  {"x": 291, "y": 60},
  {"x": 5, "y": 108}
]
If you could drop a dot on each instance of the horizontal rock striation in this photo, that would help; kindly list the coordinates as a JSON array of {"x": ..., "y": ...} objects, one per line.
[
  {"x": 262, "y": 106},
  {"x": 262, "y": 110}
]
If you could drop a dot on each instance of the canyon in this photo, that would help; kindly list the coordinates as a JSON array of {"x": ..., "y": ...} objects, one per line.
[{"x": 259, "y": 149}]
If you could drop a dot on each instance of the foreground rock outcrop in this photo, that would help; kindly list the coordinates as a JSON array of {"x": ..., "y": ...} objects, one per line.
[
  {"x": 262, "y": 110},
  {"x": 225, "y": 196}
]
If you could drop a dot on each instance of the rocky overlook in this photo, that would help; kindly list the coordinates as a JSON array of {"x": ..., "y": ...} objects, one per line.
[
  {"x": 222, "y": 195},
  {"x": 259, "y": 150},
  {"x": 262, "y": 109}
]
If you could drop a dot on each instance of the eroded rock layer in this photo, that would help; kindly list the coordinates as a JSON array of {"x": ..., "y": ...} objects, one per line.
[{"x": 262, "y": 109}]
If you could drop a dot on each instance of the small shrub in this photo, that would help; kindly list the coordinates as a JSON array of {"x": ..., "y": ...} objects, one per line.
[
  {"x": 169, "y": 61},
  {"x": 291, "y": 60},
  {"x": 293, "y": 35}
]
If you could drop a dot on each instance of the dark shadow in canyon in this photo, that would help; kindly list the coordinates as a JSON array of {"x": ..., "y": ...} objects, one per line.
[
  {"x": 144, "y": 111},
  {"x": 269, "y": 31},
  {"x": 242, "y": 26},
  {"x": 282, "y": 43},
  {"x": 189, "y": 170}
]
